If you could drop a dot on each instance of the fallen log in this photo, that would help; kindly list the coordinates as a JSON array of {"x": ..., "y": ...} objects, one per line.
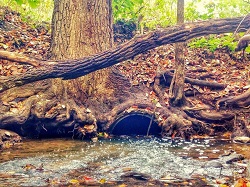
[{"x": 71, "y": 69}]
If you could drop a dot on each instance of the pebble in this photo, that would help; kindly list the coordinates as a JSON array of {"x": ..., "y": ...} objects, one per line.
[{"x": 241, "y": 139}]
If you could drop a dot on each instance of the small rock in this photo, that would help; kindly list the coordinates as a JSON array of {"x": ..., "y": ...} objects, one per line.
[
  {"x": 234, "y": 157},
  {"x": 136, "y": 176},
  {"x": 241, "y": 139},
  {"x": 8, "y": 138},
  {"x": 213, "y": 164}
]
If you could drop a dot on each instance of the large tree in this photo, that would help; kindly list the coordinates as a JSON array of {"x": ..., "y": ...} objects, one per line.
[
  {"x": 82, "y": 28},
  {"x": 79, "y": 29}
]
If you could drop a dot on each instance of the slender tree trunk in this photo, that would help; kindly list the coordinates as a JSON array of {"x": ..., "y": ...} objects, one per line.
[{"x": 177, "y": 85}]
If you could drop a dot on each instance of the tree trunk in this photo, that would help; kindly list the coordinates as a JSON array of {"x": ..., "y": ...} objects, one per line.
[
  {"x": 176, "y": 90},
  {"x": 79, "y": 29}
]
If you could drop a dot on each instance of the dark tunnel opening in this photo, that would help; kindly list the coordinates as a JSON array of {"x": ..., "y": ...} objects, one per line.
[{"x": 135, "y": 124}]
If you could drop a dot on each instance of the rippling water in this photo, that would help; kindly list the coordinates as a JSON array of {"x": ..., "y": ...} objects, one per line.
[{"x": 109, "y": 159}]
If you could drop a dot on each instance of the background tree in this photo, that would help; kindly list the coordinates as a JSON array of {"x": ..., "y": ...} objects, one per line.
[{"x": 176, "y": 93}]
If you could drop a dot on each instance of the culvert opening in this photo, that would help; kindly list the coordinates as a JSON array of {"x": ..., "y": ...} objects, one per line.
[{"x": 135, "y": 124}]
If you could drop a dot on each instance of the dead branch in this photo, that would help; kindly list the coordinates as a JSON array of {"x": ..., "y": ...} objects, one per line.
[{"x": 17, "y": 57}]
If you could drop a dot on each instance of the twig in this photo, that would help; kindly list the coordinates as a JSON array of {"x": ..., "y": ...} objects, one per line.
[
  {"x": 151, "y": 121},
  {"x": 240, "y": 24}
]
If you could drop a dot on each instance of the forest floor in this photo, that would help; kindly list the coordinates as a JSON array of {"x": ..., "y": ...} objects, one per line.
[{"x": 221, "y": 66}]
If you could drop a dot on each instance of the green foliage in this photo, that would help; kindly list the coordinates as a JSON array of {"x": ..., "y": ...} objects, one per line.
[
  {"x": 219, "y": 9},
  {"x": 32, "y": 3},
  {"x": 146, "y": 13},
  {"x": 161, "y": 13},
  {"x": 214, "y": 42},
  {"x": 32, "y": 10},
  {"x": 128, "y": 10}
]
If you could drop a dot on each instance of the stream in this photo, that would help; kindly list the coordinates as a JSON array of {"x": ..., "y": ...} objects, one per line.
[{"x": 61, "y": 162}]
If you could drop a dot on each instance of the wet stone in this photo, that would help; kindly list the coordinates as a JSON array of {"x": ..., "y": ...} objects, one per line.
[
  {"x": 214, "y": 164},
  {"x": 234, "y": 157},
  {"x": 241, "y": 139},
  {"x": 8, "y": 138},
  {"x": 137, "y": 176}
]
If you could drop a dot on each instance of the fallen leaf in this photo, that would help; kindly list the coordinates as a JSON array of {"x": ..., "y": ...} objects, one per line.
[
  {"x": 74, "y": 181},
  {"x": 102, "y": 181}
]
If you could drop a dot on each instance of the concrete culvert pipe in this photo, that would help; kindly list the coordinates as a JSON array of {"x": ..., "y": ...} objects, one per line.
[{"x": 135, "y": 124}]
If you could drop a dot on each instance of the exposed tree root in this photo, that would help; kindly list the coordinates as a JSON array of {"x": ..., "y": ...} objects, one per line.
[
  {"x": 8, "y": 139},
  {"x": 210, "y": 116},
  {"x": 39, "y": 111},
  {"x": 177, "y": 126},
  {"x": 241, "y": 127},
  {"x": 242, "y": 100},
  {"x": 213, "y": 85}
]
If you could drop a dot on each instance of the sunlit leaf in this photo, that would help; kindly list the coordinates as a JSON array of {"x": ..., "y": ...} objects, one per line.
[
  {"x": 242, "y": 182},
  {"x": 223, "y": 185},
  {"x": 19, "y": 2},
  {"x": 86, "y": 178},
  {"x": 29, "y": 167},
  {"x": 122, "y": 185},
  {"x": 158, "y": 105},
  {"x": 102, "y": 181},
  {"x": 34, "y": 3},
  {"x": 74, "y": 181}
]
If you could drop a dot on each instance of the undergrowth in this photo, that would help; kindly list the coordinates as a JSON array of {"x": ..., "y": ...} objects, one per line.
[{"x": 213, "y": 42}]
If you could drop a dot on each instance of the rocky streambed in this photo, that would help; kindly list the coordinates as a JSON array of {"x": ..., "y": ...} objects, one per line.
[{"x": 127, "y": 161}]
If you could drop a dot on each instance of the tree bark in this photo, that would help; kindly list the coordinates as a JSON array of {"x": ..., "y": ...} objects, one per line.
[
  {"x": 71, "y": 69},
  {"x": 176, "y": 90}
]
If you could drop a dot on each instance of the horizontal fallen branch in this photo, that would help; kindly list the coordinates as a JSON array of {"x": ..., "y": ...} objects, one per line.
[
  {"x": 17, "y": 57},
  {"x": 70, "y": 69}
]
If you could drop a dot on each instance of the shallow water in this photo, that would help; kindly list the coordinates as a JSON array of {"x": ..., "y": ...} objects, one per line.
[{"x": 64, "y": 159}]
